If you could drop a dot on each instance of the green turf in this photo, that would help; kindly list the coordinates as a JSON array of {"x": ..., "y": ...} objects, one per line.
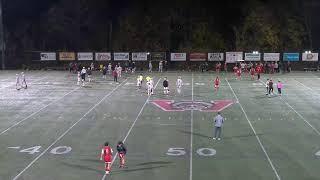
[{"x": 287, "y": 126}]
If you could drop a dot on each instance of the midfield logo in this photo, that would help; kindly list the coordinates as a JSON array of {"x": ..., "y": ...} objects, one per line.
[{"x": 172, "y": 106}]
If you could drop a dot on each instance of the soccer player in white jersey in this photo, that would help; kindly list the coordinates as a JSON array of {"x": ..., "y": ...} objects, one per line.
[
  {"x": 152, "y": 85},
  {"x": 179, "y": 84},
  {"x": 23, "y": 81},
  {"x": 109, "y": 68},
  {"x": 119, "y": 70},
  {"x": 79, "y": 78},
  {"x": 18, "y": 85},
  {"x": 83, "y": 75}
]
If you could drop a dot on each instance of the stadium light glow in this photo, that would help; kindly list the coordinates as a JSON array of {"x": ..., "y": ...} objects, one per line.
[
  {"x": 255, "y": 52},
  {"x": 308, "y": 52}
]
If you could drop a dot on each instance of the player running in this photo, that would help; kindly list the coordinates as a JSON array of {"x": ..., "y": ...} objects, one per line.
[
  {"x": 179, "y": 84},
  {"x": 267, "y": 86},
  {"x": 106, "y": 156},
  {"x": 122, "y": 151},
  {"x": 139, "y": 81},
  {"x": 218, "y": 67},
  {"x": 83, "y": 75},
  {"x": 165, "y": 86},
  {"x": 23, "y": 81},
  {"x": 216, "y": 84},
  {"x": 270, "y": 87},
  {"x": 89, "y": 72},
  {"x": 18, "y": 85},
  {"x": 252, "y": 72}
]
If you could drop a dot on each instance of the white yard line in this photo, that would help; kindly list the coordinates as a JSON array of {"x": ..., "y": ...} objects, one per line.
[
  {"x": 191, "y": 134},
  {"x": 67, "y": 131},
  {"x": 304, "y": 119},
  {"x": 254, "y": 131},
  {"x": 131, "y": 127},
  {"x": 36, "y": 112}
]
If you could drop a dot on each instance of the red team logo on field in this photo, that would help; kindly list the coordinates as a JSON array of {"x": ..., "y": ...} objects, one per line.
[{"x": 172, "y": 106}]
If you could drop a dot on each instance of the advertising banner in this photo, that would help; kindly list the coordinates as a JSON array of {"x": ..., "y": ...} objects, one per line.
[
  {"x": 67, "y": 56},
  {"x": 215, "y": 57},
  {"x": 158, "y": 56},
  {"x": 139, "y": 56},
  {"x": 233, "y": 57},
  {"x": 252, "y": 57},
  {"x": 291, "y": 56},
  {"x": 178, "y": 56},
  {"x": 103, "y": 56},
  {"x": 48, "y": 56},
  {"x": 310, "y": 56},
  {"x": 85, "y": 56},
  {"x": 271, "y": 56},
  {"x": 198, "y": 56},
  {"x": 121, "y": 56}
]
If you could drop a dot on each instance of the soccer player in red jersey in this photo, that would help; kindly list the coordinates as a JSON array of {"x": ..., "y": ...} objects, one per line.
[
  {"x": 106, "y": 156},
  {"x": 216, "y": 84},
  {"x": 218, "y": 67},
  {"x": 122, "y": 151},
  {"x": 258, "y": 71},
  {"x": 235, "y": 69}
]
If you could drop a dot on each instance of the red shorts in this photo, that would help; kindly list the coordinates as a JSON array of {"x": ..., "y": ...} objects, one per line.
[{"x": 108, "y": 159}]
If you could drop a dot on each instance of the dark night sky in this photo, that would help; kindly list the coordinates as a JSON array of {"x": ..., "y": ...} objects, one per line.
[{"x": 31, "y": 10}]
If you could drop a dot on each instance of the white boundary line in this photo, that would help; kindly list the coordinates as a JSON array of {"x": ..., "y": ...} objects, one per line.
[
  {"x": 304, "y": 119},
  {"x": 36, "y": 112},
  {"x": 191, "y": 134},
  {"x": 67, "y": 131},
  {"x": 254, "y": 131},
  {"x": 131, "y": 127}
]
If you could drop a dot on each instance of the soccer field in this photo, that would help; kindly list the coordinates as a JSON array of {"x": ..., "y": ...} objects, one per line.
[{"x": 54, "y": 130}]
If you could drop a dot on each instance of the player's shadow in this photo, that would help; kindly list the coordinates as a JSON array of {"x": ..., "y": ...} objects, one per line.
[
  {"x": 265, "y": 97},
  {"x": 228, "y": 137},
  {"x": 126, "y": 170},
  {"x": 82, "y": 167},
  {"x": 195, "y": 134},
  {"x": 154, "y": 163}
]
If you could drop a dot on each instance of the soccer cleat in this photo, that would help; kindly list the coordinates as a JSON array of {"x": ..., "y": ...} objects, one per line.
[
  {"x": 214, "y": 138},
  {"x": 219, "y": 139},
  {"x": 107, "y": 172}
]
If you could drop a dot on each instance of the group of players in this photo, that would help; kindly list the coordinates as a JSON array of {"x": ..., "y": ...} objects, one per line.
[{"x": 107, "y": 153}]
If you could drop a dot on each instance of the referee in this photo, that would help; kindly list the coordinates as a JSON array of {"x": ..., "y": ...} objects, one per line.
[{"x": 218, "y": 122}]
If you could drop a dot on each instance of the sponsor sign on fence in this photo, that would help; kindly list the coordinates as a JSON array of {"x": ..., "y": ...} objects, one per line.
[
  {"x": 67, "y": 56},
  {"x": 291, "y": 56},
  {"x": 85, "y": 56},
  {"x": 252, "y": 57},
  {"x": 48, "y": 56},
  {"x": 233, "y": 57},
  {"x": 139, "y": 56},
  {"x": 198, "y": 57},
  {"x": 121, "y": 56},
  {"x": 158, "y": 56},
  {"x": 178, "y": 56},
  {"x": 103, "y": 56},
  {"x": 215, "y": 57},
  {"x": 271, "y": 56},
  {"x": 310, "y": 56}
]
